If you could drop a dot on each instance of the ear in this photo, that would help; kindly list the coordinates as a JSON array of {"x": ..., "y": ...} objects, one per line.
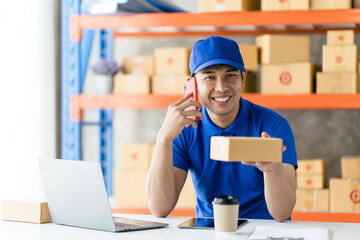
[{"x": 243, "y": 78}]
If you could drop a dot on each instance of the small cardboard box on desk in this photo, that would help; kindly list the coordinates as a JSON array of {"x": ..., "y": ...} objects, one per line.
[{"x": 25, "y": 210}]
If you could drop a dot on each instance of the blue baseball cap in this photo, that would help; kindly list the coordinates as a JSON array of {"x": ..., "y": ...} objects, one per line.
[{"x": 215, "y": 50}]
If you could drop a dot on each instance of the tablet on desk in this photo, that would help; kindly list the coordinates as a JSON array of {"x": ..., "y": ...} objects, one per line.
[{"x": 204, "y": 223}]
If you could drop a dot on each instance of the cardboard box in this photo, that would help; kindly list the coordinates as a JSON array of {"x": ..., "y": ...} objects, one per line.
[
  {"x": 340, "y": 37},
  {"x": 287, "y": 78},
  {"x": 250, "y": 54},
  {"x": 136, "y": 155},
  {"x": 340, "y": 58},
  {"x": 131, "y": 84},
  {"x": 187, "y": 198},
  {"x": 279, "y": 5},
  {"x": 172, "y": 60},
  {"x": 168, "y": 84},
  {"x": 344, "y": 195},
  {"x": 330, "y": 4},
  {"x": 311, "y": 167},
  {"x": 228, "y": 5},
  {"x": 337, "y": 83},
  {"x": 251, "y": 83},
  {"x": 283, "y": 48},
  {"x": 312, "y": 200},
  {"x": 25, "y": 210},
  {"x": 316, "y": 181},
  {"x": 129, "y": 188},
  {"x": 357, "y": 4},
  {"x": 139, "y": 65},
  {"x": 350, "y": 167},
  {"x": 246, "y": 149}
]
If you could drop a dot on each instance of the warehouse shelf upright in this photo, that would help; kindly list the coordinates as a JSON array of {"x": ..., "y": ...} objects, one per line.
[{"x": 182, "y": 24}]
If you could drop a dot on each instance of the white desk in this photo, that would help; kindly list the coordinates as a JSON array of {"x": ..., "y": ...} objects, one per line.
[{"x": 16, "y": 230}]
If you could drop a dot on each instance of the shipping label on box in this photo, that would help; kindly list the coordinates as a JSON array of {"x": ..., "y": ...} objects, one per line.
[
  {"x": 283, "y": 48},
  {"x": 316, "y": 181},
  {"x": 187, "y": 198},
  {"x": 168, "y": 84},
  {"x": 337, "y": 83},
  {"x": 252, "y": 149},
  {"x": 350, "y": 167},
  {"x": 340, "y": 58},
  {"x": 312, "y": 200},
  {"x": 25, "y": 210},
  {"x": 330, "y": 4},
  {"x": 129, "y": 188},
  {"x": 311, "y": 166},
  {"x": 250, "y": 54},
  {"x": 251, "y": 83},
  {"x": 344, "y": 195},
  {"x": 287, "y": 78},
  {"x": 131, "y": 84},
  {"x": 279, "y": 5},
  {"x": 228, "y": 5},
  {"x": 340, "y": 37},
  {"x": 172, "y": 60},
  {"x": 139, "y": 65},
  {"x": 136, "y": 155}
]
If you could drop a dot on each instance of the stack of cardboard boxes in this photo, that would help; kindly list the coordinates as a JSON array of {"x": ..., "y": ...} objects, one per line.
[
  {"x": 135, "y": 78},
  {"x": 250, "y": 54},
  {"x": 345, "y": 191},
  {"x": 171, "y": 70},
  {"x": 339, "y": 62},
  {"x": 129, "y": 179},
  {"x": 310, "y": 192},
  {"x": 286, "y": 67}
]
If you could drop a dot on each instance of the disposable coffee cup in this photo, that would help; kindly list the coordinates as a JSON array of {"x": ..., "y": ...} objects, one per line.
[{"x": 226, "y": 211}]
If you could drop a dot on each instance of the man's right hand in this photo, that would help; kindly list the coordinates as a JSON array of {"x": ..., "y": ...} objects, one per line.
[{"x": 176, "y": 118}]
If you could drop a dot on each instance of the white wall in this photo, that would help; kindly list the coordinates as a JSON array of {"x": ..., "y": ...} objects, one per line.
[{"x": 27, "y": 94}]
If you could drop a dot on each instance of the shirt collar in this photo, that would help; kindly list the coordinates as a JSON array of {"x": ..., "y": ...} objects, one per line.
[{"x": 237, "y": 128}]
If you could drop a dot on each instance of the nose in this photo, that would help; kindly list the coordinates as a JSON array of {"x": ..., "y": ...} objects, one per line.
[{"x": 221, "y": 85}]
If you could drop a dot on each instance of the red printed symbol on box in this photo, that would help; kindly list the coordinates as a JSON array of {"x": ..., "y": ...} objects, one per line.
[
  {"x": 220, "y": 1},
  {"x": 134, "y": 156},
  {"x": 341, "y": 38},
  {"x": 339, "y": 59},
  {"x": 285, "y": 78},
  {"x": 308, "y": 167},
  {"x": 283, "y": 1},
  {"x": 170, "y": 61},
  {"x": 355, "y": 196},
  {"x": 309, "y": 182}
]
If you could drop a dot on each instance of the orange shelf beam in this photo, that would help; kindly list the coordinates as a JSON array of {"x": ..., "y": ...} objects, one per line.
[
  {"x": 326, "y": 217},
  {"x": 309, "y": 101},
  {"x": 183, "y": 20}
]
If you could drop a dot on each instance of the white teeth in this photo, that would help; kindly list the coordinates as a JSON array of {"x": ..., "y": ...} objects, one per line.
[{"x": 222, "y": 99}]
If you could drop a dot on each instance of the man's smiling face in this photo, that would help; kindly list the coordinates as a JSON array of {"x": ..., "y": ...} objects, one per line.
[{"x": 219, "y": 88}]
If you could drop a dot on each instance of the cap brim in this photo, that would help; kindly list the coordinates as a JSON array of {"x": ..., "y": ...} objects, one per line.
[{"x": 226, "y": 61}]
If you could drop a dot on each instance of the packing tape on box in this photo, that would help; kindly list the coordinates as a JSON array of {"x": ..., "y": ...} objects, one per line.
[
  {"x": 315, "y": 198},
  {"x": 355, "y": 194}
]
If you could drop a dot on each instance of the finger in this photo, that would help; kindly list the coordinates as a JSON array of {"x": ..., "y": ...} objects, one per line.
[
  {"x": 193, "y": 113},
  {"x": 183, "y": 99},
  {"x": 189, "y": 122},
  {"x": 189, "y": 103},
  {"x": 248, "y": 163},
  {"x": 265, "y": 135},
  {"x": 284, "y": 148}
]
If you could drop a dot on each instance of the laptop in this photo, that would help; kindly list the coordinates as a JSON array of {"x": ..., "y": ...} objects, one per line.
[{"x": 76, "y": 196}]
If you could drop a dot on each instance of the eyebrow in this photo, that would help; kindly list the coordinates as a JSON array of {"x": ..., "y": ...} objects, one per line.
[{"x": 212, "y": 71}]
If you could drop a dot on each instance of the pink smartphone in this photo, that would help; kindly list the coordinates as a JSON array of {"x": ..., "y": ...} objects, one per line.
[{"x": 190, "y": 86}]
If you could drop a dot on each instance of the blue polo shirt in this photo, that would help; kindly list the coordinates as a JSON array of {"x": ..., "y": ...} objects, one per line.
[{"x": 191, "y": 152}]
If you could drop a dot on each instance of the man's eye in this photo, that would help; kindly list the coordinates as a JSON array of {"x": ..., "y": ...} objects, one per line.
[{"x": 209, "y": 77}]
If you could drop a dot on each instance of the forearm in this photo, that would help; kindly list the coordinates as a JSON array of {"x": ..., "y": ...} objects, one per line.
[
  {"x": 160, "y": 182},
  {"x": 279, "y": 193}
]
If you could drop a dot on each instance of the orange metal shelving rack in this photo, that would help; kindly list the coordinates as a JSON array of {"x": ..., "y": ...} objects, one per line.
[{"x": 236, "y": 23}]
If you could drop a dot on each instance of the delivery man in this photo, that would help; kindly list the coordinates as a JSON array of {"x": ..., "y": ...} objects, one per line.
[{"x": 266, "y": 190}]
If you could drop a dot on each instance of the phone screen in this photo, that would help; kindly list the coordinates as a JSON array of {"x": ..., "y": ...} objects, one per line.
[
  {"x": 204, "y": 223},
  {"x": 190, "y": 86}
]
